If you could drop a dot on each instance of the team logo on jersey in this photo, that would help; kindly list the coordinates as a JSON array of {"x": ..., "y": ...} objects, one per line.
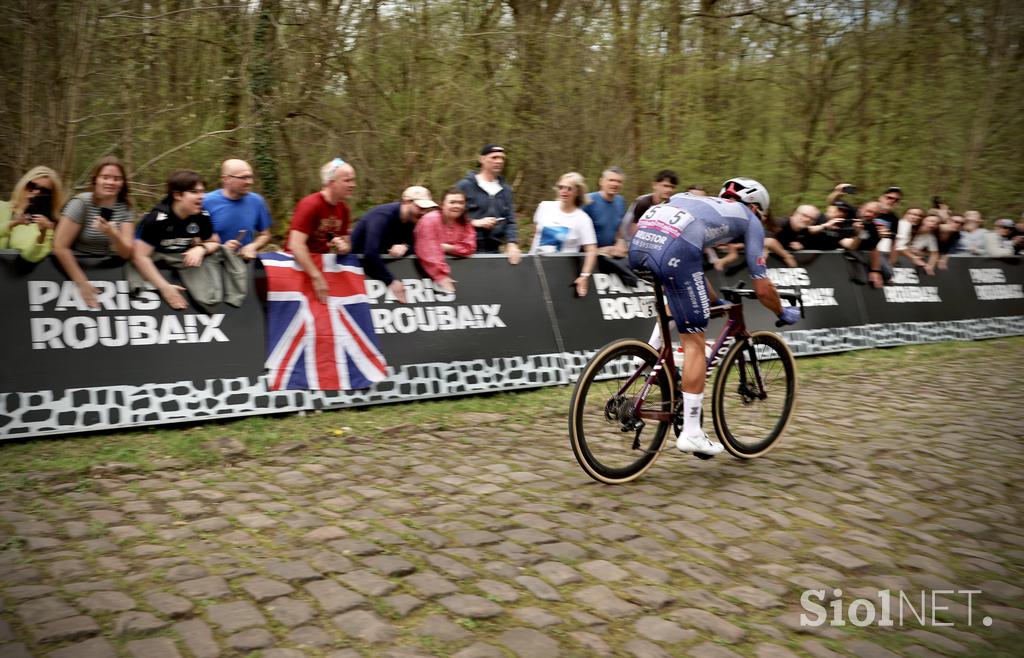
[{"x": 192, "y": 228}]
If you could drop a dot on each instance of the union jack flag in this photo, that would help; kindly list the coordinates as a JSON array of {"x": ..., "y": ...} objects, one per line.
[{"x": 314, "y": 346}]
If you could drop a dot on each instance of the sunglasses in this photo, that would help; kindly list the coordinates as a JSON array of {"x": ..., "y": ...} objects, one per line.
[
  {"x": 33, "y": 186},
  {"x": 564, "y": 187},
  {"x": 247, "y": 177}
]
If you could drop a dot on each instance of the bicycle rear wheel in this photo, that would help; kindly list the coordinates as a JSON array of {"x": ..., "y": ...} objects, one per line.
[
  {"x": 754, "y": 394},
  {"x": 610, "y": 443}
]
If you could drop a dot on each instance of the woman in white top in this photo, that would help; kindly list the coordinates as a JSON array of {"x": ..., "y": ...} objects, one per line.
[
  {"x": 561, "y": 226},
  {"x": 919, "y": 242}
]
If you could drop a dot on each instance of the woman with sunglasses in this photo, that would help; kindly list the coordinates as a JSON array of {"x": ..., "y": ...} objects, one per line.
[
  {"x": 28, "y": 220},
  {"x": 561, "y": 226},
  {"x": 96, "y": 223}
]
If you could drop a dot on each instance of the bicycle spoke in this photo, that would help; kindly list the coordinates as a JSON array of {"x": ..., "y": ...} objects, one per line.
[
  {"x": 610, "y": 440},
  {"x": 755, "y": 397}
]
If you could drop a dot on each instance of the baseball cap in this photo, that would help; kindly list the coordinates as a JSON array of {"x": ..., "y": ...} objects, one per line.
[
  {"x": 1004, "y": 223},
  {"x": 491, "y": 148},
  {"x": 846, "y": 208},
  {"x": 419, "y": 195}
]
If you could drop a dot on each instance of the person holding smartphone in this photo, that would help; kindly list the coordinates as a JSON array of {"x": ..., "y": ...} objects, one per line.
[
  {"x": 27, "y": 221},
  {"x": 490, "y": 205},
  {"x": 96, "y": 223}
]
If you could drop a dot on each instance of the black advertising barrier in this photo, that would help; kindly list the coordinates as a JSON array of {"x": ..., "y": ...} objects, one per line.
[
  {"x": 51, "y": 340},
  {"x": 971, "y": 287},
  {"x": 65, "y": 369},
  {"x": 823, "y": 279},
  {"x": 497, "y": 310},
  {"x": 610, "y": 310},
  {"x": 613, "y": 309}
]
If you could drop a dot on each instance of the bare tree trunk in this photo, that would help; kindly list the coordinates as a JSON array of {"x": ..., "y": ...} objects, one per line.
[
  {"x": 82, "y": 41},
  {"x": 264, "y": 83},
  {"x": 29, "y": 69},
  {"x": 864, "y": 89},
  {"x": 997, "y": 37}
]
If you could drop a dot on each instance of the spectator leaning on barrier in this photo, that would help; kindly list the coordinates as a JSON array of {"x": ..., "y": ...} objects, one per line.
[
  {"x": 562, "y": 227},
  {"x": 96, "y": 223},
  {"x": 798, "y": 232},
  {"x": 662, "y": 188},
  {"x": 444, "y": 232},
  {"x": 834, "y": 227},
  {"x": 904, "y": 234},
  {"x": 920, "y": 243},
  {"x": 606, "y": 208},
  {"x": 889, "y": 203},
  {"x": 864, "y": 242},
  {"x": 388, "y": 230},
  {"x": 490, "y": 205},
  {"x": 179, "y": 233},
  {"x": 28, "y": 220},
  {"x": 320, "y": 222},
  {"x": 948, "y": 238},
  {"x": 973, "y": 237},
  {"x": 998, "y": 243},
  {"x": 240, "y": 216}
]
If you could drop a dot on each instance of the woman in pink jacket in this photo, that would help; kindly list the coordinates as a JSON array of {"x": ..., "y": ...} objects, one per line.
[{"x": 445, "y": 232}]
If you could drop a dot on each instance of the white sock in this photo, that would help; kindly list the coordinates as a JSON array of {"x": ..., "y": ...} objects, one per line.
[
  {"x": 692, "y": 403},
  {"x": 655, "y": 339}
]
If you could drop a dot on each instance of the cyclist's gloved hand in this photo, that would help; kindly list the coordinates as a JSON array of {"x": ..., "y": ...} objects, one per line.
[{"x": 789, "y": 315}]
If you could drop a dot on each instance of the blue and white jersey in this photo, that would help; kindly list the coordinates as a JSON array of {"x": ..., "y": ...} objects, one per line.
[{"x": 703, "y": 221}]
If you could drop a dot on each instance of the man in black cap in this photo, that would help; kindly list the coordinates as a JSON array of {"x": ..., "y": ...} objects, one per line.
[{"x": 490, "y": 206}]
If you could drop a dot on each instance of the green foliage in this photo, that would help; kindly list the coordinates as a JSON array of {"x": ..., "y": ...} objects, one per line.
[{"x": 799, "y": 94}]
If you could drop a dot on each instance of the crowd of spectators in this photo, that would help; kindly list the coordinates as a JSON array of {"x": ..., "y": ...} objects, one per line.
[
  {"x": 206, "y": 238},
  {"x": 874, "y": 234}
]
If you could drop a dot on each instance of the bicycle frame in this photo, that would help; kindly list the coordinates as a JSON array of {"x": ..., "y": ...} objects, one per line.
[{"x": 735, "y": 327}]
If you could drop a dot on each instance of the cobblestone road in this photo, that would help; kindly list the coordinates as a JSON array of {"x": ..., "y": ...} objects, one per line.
[{"x": 486, "y": 539}]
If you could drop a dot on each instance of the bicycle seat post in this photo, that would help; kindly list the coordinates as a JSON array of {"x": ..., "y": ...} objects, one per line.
[{"x": 659, "y": 300}]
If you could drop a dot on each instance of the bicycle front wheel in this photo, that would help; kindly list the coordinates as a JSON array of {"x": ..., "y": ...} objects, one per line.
[
  {"x": 611, "y": 443},
  {"x": 754, "y": 394}
]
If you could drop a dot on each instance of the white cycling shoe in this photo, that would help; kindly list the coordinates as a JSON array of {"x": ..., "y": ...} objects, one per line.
[{"x": 700, "y": 443}]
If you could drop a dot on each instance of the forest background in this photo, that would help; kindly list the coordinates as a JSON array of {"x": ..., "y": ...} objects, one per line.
[{"x": 801, "y": 94}]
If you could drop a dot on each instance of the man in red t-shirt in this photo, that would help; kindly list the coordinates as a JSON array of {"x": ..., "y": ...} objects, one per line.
[{"x": 320, "y": 222}]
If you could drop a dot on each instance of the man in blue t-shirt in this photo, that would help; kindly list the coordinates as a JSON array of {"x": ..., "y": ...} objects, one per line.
[
  {"x": 606, "y": 209},
  {"x": 240, "y": 216}
]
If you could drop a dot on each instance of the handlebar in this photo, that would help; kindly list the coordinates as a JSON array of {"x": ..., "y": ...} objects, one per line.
[{"x": 736, "y": 294}]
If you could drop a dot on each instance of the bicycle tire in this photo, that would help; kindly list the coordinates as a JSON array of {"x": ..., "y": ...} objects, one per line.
[
  {"x": 749, "y": 421},
  {"x": 596, "y": 413}
]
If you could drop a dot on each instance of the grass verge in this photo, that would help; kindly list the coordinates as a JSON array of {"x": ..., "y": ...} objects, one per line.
[{"x": 194, "y": 445}]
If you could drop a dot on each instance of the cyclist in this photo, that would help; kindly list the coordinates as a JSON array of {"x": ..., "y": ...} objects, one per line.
[{"x": 669, "y": 241}]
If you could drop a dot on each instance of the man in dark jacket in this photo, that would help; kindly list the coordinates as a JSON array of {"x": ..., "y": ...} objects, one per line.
[
  {"x": 387, "y": 230},
  {"x": 490, "y": 206}
]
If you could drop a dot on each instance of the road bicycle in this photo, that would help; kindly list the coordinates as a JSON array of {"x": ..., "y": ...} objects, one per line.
[{"x": 628, "y": 396}]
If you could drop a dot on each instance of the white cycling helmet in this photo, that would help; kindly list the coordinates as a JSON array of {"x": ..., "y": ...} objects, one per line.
[{"x": 745, "y": 190}]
